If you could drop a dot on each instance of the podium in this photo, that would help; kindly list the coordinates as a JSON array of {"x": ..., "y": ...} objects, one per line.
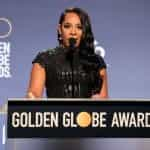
[{"x": 75, "y": 143}]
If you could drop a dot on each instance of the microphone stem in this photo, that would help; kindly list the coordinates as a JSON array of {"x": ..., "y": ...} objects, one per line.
[{"x": 72, "y": 69}]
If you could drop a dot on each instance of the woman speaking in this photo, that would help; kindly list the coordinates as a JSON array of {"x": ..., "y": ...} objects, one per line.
[{"x": 72, "y": 69}]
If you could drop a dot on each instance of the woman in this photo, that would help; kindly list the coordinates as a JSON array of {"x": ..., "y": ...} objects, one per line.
[{"x": 71, "y": 70}]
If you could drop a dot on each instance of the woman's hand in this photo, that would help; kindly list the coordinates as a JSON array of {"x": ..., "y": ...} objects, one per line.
[{"x": 98, "y": 97}]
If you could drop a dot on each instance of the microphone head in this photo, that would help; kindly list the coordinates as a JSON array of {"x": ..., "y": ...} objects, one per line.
[{"x": 72, "y": 42}]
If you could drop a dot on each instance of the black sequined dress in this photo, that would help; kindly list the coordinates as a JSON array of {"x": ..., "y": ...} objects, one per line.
[{"x": 70, "y": 75}]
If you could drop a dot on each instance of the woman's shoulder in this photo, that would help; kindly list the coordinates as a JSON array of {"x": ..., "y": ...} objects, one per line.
[
  {"x": 44, "y": 56},
  {"x": 94, "y": 61},
  {"x": 47, "y": 52},
  {"x": 100, "y": 61}
]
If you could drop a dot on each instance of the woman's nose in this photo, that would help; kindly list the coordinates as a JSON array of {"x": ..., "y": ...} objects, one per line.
[{"x": 73, "y": 31}]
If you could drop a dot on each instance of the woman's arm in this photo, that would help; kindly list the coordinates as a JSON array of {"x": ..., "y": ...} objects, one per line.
[
  {"x": 37, "y": 81},
  {"x": 104, "y": 90}
]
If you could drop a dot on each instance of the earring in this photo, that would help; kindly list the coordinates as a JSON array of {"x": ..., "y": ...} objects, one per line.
[{"x": 60, "y": 37}]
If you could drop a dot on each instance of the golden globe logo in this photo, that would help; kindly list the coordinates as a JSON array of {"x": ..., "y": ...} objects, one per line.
[
  {"x": 83, "y": 119},
  {"x": 7, "y": 23}
]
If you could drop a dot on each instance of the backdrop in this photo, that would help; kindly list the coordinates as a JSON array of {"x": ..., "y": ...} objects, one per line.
[{"x": 122, "y": 34}]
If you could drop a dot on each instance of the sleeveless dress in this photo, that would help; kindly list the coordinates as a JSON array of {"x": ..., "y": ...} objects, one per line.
[{"x": 70, "y": 75}]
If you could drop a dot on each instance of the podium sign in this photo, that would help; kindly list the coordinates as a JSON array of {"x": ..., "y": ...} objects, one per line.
[{"x": 75, "y": 119}]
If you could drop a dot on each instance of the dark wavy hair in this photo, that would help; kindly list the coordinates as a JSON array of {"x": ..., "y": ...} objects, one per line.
[{"x": 87, "y": 40}]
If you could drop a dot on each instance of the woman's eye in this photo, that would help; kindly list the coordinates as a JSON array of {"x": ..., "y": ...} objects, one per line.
[
  {"x": 79, "y": 27},
  {"x": 66, "y": 26}
]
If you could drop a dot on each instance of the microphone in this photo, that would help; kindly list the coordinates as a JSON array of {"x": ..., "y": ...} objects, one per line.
[
  {"x": 71, "y": 48},
  {"x": 72, "y": 43}
]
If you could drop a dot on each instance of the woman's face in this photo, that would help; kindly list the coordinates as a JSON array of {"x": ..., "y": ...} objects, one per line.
[{"x": 70, "y": 28}]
